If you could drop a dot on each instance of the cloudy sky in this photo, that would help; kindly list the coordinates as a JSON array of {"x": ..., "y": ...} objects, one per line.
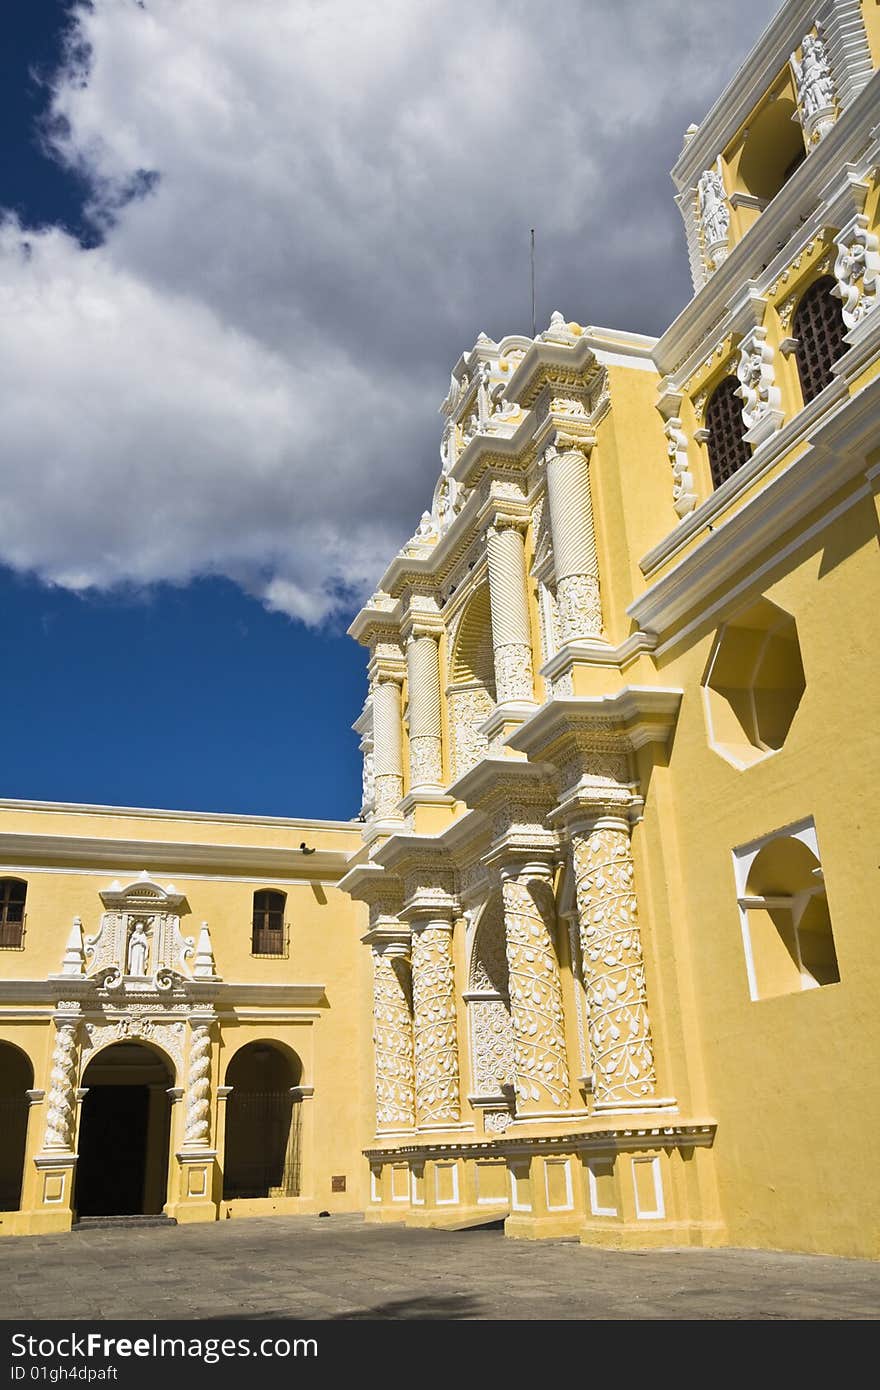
[{"x": 265, "y": 232}]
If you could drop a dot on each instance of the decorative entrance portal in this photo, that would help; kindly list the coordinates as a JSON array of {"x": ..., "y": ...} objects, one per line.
[{"x": 125, "y": 1125}]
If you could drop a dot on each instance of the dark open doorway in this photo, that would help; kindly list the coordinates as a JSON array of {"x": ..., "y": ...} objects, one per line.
[{"x": 124, "y": 1130}]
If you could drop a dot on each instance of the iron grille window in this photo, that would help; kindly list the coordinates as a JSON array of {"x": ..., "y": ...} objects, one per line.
[
  {"x": 269, "y": 933},
  {"x": 13, "y": 892},
  {"x": 728, "y": 451},
  {"x": 818, "y": 328}
]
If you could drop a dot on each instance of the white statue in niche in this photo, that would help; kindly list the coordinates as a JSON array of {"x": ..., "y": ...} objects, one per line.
[
  {"x": 714, "y": 212},
  {"x": 815, "y": 87},
  {"x": 138, "y": 951}
]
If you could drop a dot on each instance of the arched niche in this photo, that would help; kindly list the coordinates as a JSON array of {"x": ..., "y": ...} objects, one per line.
[
  {"x": 490, "y": 1025},
  {"x": 16, "y": 1079},
  {"x": 471, "y": 692},
  {"x": 263, "y": 1150}
]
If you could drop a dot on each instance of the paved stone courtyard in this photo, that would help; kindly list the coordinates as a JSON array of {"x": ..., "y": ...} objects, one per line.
[{"x": 341, "y": 1268}]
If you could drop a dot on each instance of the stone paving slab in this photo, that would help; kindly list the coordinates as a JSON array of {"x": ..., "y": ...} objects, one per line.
[{"x": 340, "y": 1268}]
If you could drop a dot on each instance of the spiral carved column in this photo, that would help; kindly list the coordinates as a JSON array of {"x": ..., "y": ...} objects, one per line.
[
  {"x": 434, "y": 1023},
  {"x": 197, "y": 1133},
  {"x": 541, "y": 1065},
  {"x": 423, "y": 673},
  {"x": 613, "y": 966},
  {"x": 61, "y": 1100},
  {"x": 393, "y": 1042},
  {"x": 508, "y": 597},
  {"x": 574, "y": 544},
  {"x": 387, "y": 747}
]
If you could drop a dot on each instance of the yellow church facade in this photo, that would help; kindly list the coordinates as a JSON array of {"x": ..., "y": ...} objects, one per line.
[{"x": 597, "y": 958}]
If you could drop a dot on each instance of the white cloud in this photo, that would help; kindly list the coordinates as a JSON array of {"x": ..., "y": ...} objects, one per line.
[{"x": 242, "y": 379}]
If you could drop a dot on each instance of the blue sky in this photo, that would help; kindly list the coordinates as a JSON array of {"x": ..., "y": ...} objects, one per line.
[{"x": 241, "y": 248}]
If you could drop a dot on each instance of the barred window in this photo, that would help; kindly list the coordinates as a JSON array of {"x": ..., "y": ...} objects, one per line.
[
  {"x": 13, "y": 893},
  {"x": 269, "y": 935},
  {"x": 818, "y": 329},
  {"x": 728, "y": 451}
]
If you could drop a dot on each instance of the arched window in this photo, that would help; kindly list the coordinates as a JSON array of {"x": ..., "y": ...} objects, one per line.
[
  {"x": 13, "y": 892},
  {"x": 818, "y": 329},
  {"x": 728, "y": 451},
  {"x": 269, "y": 929}
]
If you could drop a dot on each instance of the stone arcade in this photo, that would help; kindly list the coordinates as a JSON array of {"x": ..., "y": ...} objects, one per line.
[{"x": 614, "y": 866}]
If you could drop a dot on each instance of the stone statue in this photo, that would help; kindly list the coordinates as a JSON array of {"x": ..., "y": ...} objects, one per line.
[
  {"x": 814, "y": 84},
  {"x": 714, "y": 212},
  {"x": 138, "y": 950}
]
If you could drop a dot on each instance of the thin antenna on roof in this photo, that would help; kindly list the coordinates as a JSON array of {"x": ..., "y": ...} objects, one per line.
[{"x": 532, "y": 257}]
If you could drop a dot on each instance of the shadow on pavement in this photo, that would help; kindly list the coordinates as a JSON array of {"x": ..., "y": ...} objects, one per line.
[{"x": 430, "y": 1306}]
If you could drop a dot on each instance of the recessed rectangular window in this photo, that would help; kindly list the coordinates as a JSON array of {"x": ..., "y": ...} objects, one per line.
[{"x": 269, "y": 934}]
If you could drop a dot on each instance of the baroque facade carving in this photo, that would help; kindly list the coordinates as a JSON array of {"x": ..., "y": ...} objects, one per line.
[
  {"x": 613, "y": 967},
  {"x": 393, "y": 1042},
  {"x": 541, "y": 1066},
  {"x": 61, "y": 1100},
  {"x": 434, "y": 1026},
  {"x": 857, "y": 271}
]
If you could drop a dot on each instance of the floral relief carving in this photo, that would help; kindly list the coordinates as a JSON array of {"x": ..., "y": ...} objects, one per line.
[
  {"x": 467, "y": 711},
  {"x": 434, "y": 1026},
  {"x": 393, "y": 1043},
  {"x": 134, "y": 1027},
  {"x": 389, "y": 790},
  {"x": 540, "y": 1063},
  {"x": 757, "y": 389},
  {"x": 425, "y": 760},
  {"x": 579, "y": 606},
  {"x": 613, "y": 967},
  {"x": 513, "y": 672},
  {"x": 492, "y": 1039}
]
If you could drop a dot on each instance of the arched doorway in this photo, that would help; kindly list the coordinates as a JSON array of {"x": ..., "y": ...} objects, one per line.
[
  {"x": 122, "y": 1168},
  {"x": 263, "y": 1126},
  {"x": 16, "y": 1079}
]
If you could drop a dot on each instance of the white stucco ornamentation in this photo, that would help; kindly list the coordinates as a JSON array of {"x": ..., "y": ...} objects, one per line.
[
  {"x": 815, "y": 88},
  {"x": 61, "y": 1100},
  {"x": 684, "y": 496},
  {"x": 198, "y": 1089},
  {"x": 540, "y": 1063},
  {"x": 714, "y": 217},
  {"x": 613, "y": 967},
  {"x": 135, "y": 1027},
  {"x": 425, "y": 755},
  {"x": 575, "y": 559},
  {"x": 393, "y": 1042},
  {"x": 387, "y": 747},
  {"x": 467, "y": 711},
  {"x": 762, "y": 413},
  {"x": 492, "y": 1043},
  {"x": 579, "y": 606},
  {"x": 513, "y": 672},
  {"x": 857, "y": 271},
  {"x": 434, "y": 1024}
]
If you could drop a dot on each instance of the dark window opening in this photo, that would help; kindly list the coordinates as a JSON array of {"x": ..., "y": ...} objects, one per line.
[
  {"x": 13, "y": 893},
  {"x": 728, "y": 451},
  {"x": 818, "y": 329},
  {"x": 269, "y": 934}
]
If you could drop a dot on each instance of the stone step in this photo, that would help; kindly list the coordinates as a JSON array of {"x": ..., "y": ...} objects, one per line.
[{"x": 115, "y": 1223}]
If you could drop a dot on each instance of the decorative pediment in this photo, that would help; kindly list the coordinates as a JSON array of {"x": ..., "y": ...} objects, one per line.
[{"x": 139, "y": 946}]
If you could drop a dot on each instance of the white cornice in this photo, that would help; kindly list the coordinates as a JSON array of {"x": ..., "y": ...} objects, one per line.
[
  {"x": 640, "y": 714},
  {"x": 115, "y": 855},
  {"x": 834, "y": 457},
  {"x": 225, "y": 993},
  {"x": 739, "y": 98},
  {"x": 146, "y": 813}
]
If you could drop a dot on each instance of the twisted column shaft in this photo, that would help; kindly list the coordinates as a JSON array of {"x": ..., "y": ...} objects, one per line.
[
  {"x": 61, "y": 1100},
  {"x": 423, "y": 673},
  {"x": 387, "y": 747},
  {"x": 197, "y": 1133},
  {"x": 574, "y": 545},
  {"x": 508, "y": 597}
]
